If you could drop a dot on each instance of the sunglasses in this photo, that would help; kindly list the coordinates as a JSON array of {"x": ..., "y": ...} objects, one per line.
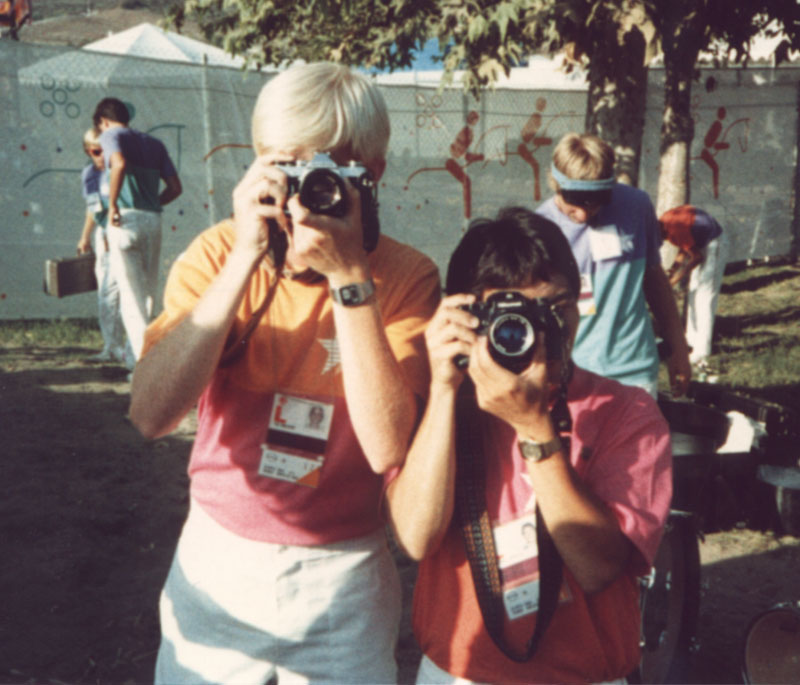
[
  {"x": 95, "y": 153},
  {"x": 589, "y": 200}
]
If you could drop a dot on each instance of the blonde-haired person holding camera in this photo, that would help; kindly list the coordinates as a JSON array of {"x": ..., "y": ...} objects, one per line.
[
  {"x": 282, "y": 569},
  {"x": 93, "y": 239},
  {"x": 615, "y": 237}
]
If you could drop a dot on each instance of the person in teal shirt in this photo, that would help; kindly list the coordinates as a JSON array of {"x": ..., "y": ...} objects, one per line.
[
  {"x": 136, "y": 163},
  {"x": 615, "y": 237}
]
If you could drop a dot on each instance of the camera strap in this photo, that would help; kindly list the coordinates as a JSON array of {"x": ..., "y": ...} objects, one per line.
[
  {"x": 234, "y": 350},
  {"x": 476, "y": 529}
]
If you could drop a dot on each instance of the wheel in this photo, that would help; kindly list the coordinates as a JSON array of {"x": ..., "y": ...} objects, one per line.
[
  {"x": 670, "y": 604},
  {"x": 771, "y": 646}
]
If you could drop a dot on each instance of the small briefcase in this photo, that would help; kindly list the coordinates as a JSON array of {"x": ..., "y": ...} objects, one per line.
[{"x": 70, "y": 275}]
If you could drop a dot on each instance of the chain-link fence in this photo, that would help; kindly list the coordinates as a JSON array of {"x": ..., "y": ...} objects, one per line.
[{"x": 451, "y": 157}]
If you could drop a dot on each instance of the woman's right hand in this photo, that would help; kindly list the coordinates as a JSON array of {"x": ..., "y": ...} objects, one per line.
[
  {"x": 259, "y": 196},
  {"x": 450, "y": 333}
]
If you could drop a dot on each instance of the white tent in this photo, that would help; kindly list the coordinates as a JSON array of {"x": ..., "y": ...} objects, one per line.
[
  {"x": 160, "y": 54},
  {"x": 146, "y": 40}
]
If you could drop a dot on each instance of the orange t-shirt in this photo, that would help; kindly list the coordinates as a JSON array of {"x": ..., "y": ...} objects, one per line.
[{"x": 275, "y": 457}]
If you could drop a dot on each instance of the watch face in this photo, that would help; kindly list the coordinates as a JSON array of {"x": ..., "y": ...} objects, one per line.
[
  {"x": 350, "y": 294},
  {"x": 535, "y": 451},
  {"x": 354, "y": 294},
  {"x": 531, "y": 450}
]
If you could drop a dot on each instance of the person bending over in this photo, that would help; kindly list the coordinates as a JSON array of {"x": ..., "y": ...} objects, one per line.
[{"x": 700, "y": 265}]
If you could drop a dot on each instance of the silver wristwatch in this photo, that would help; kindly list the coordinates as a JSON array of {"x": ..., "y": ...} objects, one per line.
[
  {"x": 537, "y": 451},
  {"x": 353, "y": 294}
]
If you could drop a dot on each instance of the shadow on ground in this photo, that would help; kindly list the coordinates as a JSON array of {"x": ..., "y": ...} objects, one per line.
[{"x": 88, "y": 521}]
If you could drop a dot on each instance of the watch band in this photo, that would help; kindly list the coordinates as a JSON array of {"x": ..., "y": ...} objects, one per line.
[
  {"x": 353, "y": 294},
  {"x": 537, "y": 451}
]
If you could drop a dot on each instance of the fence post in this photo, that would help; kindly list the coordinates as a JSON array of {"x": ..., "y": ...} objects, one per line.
[
  {"x": 212, "y": 202},
  {"x": 793, "y": 245}
]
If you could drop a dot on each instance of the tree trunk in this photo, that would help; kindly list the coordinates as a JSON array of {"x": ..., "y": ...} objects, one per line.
[
  {"x": 682, "y": 37},
  {"x": 617, "y": 92}
]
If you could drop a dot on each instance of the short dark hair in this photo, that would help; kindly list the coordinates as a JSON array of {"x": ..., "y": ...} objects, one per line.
[
  {"x": 113, "y": 110},
  {"x": 516, "y": 249}
]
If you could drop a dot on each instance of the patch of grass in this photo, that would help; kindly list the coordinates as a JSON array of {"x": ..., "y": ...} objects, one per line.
[
  {"x": 757, "y": 331},
  {"x": 50, "y": 333}
]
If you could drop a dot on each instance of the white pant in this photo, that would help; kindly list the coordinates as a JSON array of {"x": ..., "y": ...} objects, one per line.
[
  {"x": 115, "y": 341},
  {"x": 430, "y": 674},
  {"x": 239, "y": 611},
  {"x": 134, "y": 250},
  {"x": 702, "y": 296}
]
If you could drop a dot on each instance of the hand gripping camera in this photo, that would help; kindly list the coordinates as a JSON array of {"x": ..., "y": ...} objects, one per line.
[
  {"x": 513, "y": 323},
  {"x": 320, "y": 183}
]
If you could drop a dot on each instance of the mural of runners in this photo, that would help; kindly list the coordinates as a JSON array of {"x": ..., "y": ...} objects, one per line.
[{"x": 462, "y": 156}]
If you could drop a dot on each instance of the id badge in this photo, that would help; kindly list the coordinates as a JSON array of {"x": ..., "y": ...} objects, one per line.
[
  {"x": 296, "y": 439},
  {"x": 586, "y": 304},
  {"x": 605, "y": 243},
  {"x": 93, "y": 203},
  {"x": 518, "y": 563}
]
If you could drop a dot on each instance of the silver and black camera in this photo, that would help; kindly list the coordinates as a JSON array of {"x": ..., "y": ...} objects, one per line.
[
  {"x": 513, "y": 323},
  {"x": 320, "y": 182}
]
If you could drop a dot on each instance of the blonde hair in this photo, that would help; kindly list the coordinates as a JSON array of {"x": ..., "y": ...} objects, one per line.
[
  {"x": 91, "y": 138},
  {"x": 324, "y": 107},
  {"x": 582, "y": 156}
]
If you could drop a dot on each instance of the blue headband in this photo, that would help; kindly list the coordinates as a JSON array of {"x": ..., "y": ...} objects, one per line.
[{"x": 590, "y": 185}]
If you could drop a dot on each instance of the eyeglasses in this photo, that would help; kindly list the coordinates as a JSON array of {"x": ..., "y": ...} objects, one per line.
[{"x": 95, "y": 153}]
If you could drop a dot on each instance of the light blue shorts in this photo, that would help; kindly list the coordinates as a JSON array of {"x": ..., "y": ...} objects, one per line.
[{"x": 238, "y": 611}]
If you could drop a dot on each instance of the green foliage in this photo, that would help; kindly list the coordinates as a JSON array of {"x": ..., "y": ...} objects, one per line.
[
  {"x": 485, "y": 38},
  {"x": 50, "y": 333}
]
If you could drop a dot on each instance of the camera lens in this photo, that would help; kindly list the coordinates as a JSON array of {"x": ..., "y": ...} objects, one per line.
[
  {"x": 512, "y": 335},
  {"x": 323, "y": 192}
]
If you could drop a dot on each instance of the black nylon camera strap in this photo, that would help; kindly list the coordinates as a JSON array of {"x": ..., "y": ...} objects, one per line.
[
  {"x": 234, "y": 350},
  {"x": 476, "y": 529}
]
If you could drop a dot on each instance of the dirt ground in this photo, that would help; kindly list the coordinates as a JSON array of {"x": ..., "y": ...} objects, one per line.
[{"x": 90, "y": 515}]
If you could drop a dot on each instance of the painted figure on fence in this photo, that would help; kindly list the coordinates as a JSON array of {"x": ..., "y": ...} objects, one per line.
[
  {"x": 532, "y": 135},
  {"x": 462, "y": 154},
  {"x": 715, "y": 141}
]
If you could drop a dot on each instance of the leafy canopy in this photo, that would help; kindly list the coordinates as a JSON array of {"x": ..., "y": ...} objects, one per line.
[{"x": 484, "y": 38}]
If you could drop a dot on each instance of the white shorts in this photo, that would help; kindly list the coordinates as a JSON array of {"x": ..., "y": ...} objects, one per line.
[{"x": 238, "y": 611}]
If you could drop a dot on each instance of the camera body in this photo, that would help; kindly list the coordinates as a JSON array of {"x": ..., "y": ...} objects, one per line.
[
  {"x": 320, "y": 182},
  {"x": 513, "y": 323}
]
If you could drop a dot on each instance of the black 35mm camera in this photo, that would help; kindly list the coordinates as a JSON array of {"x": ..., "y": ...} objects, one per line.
[
  {"x": 513, "y": 323},
  {"x": 320, "y": 182}
]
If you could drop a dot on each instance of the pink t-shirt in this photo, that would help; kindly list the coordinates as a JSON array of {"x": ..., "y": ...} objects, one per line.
[
  {"x": 275, "y": 457},
  {"x": 620, "y": 448}
]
